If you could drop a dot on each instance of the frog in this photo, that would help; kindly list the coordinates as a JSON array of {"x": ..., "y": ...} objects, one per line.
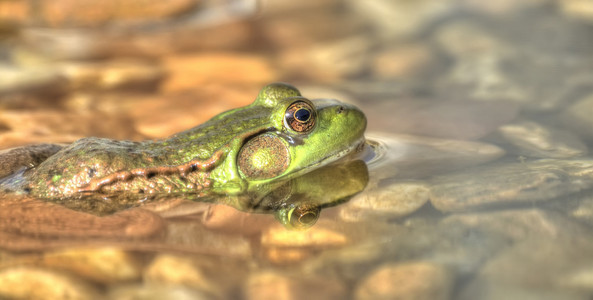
[{"x": 278, "y": 136}]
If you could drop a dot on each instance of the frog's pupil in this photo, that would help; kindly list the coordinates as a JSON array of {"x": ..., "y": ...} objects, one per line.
[{"x": 302, "y": 115}]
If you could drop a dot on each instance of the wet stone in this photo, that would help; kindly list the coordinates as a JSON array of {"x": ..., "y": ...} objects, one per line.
[
  {"x": 536, "y": 140},
  {"x": 316, "y": 236},
  {"x": 410, "y": 280},
  {"x": 519, "y": 224},
  {"x": 104, "y": 265},
  {"x": 35, "y": 283},
  {"x": 330, "y": 61},
  {"x": 188, "y": 233},
  {"x": 411, "y": 17},
  {"x": 486, "y": 62},
  {"x": 392, "y": 201},
  {"x": 156, "y": 292},
  {"x": 578, "y": 9},
  {"x": 536, "y": 269},
  {"x": 510, "y": 184},
  {"x": 577, "y": 117},
  {"x": 264, "y": 285},
  {"x": 112, "y": 75},
  {"x": 182, "y": 271},
  {"x": 189, "y": 71}
]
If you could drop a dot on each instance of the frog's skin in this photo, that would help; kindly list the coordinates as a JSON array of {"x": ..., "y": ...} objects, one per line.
[{"x": 280, "y": 135}]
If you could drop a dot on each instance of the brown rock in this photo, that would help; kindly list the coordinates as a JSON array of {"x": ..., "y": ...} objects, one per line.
[
  {"x": 266, "y": 285},
  {"x": 224, "y": 69},
  {"x": 410, "y": 280},
  {"x": 34, "y": 283}
]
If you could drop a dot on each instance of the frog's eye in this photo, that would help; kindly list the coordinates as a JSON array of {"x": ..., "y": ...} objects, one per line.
[
  {"x": 300, "y": 117},
  {"x": 303, "y": 217}
]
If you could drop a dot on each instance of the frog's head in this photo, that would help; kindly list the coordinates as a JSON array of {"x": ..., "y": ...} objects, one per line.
[{"x": 304, "y": 135}]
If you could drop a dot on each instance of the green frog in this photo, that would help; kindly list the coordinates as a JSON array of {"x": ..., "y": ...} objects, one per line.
[{"x": 279, "y": 136}]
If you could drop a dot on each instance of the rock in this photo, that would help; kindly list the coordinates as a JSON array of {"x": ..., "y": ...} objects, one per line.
[
  {"x": 50, "y": 126},
  {"x": 577, "y": 117},
  {"x": 536, "y": 140},
  {"x": 67, "y": 13},
  {"x": 112, "y": 75},
  {"x": 494, "y": 61},
  {"x": 316, "y": 236},
  {"x": 412, "y": 17},
  {"x": 190, "y": 233},
  {"x": 478, "y": 64},
  {"x": 402, "y": 61},
  {"x": 228, "y": 219},
  {"x": 155, "y": 292},
  {"x": 510, "y": 183},
  {"x": 329, "y": 61},
  {"x": 410, "y": 280},
  {"x": 518, "y": 225},
  {"x": 536, "y": 268},
  {"x": 35, "y": 283},
  {"x": 392, "y": 201},
  {"x": 180, "y": 271},
  {"x": 104, "y": 265},
  {"x": 186, "y": 72},
  {"x": 578, "y": 9},
  {"x": 264, "y": 285}
]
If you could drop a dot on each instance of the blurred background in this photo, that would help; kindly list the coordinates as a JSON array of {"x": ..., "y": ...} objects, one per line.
[
  {"x": 465, "y": 81},
  {"x": 148, "y": 69}
]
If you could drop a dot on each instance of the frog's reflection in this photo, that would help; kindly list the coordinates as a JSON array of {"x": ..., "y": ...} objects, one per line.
[{"x": 295, "y": 202}]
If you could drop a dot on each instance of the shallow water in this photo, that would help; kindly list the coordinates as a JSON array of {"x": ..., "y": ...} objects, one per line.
[{"x": 479, "y": 185}]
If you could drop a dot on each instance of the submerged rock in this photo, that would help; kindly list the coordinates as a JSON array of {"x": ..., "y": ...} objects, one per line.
[{"x": 510, "y": 184}]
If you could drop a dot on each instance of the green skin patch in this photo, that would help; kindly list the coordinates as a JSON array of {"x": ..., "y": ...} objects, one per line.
[{"x": 278, "y": 136}]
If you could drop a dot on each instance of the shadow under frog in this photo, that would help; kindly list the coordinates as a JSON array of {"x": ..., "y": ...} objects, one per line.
[{"x": 276, "y": 155}]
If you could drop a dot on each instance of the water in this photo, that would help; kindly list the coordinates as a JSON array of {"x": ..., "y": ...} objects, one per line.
[{"x": 477, "y": 182}]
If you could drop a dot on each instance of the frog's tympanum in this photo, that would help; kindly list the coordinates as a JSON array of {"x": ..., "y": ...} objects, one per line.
[{"x": 279, "y": 136}]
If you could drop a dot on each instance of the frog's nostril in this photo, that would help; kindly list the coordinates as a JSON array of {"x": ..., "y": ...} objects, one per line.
[{"x": 340, "y": 109}]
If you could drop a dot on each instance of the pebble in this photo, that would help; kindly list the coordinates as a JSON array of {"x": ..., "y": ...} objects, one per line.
[
  {"x": 510, "y": 183},
  {"x": 49, "y": 126},
  {"x": 578, "y": 9},
  {"x": 155, "y": 292},
  {"x": 409, "y": 280},
  {"x": 113, "y": 75},
  {"x": 316, "y": 236},
  {"x": 412, "y": 17},
  {"x": 329, "y": 61},
  {"x": 536, "y": 140},
  {"x": 536, "y": 268},
  {"x": 194, "y": 235},
  {"x": 267, "y": 284},
  {"x": 520, "y": 224},
  {"x": 180, "y": 271},
  {"x": 103, "y": 264},
  {"x": 392, "y": 201},
  {"x": 224, "y": 218},
  {"x": 577, "y": 117},
  {"x": 402, "y": 61},
  {"x": 186, "y": 72},
  {"x": 67, "y": 13},
  {"x": 36, "y": 283}
]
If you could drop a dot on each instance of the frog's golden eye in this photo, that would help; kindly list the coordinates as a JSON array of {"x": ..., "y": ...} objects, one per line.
[
  {"x": 300, "y": 117},
  {"x": 303, "y": 217}
]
